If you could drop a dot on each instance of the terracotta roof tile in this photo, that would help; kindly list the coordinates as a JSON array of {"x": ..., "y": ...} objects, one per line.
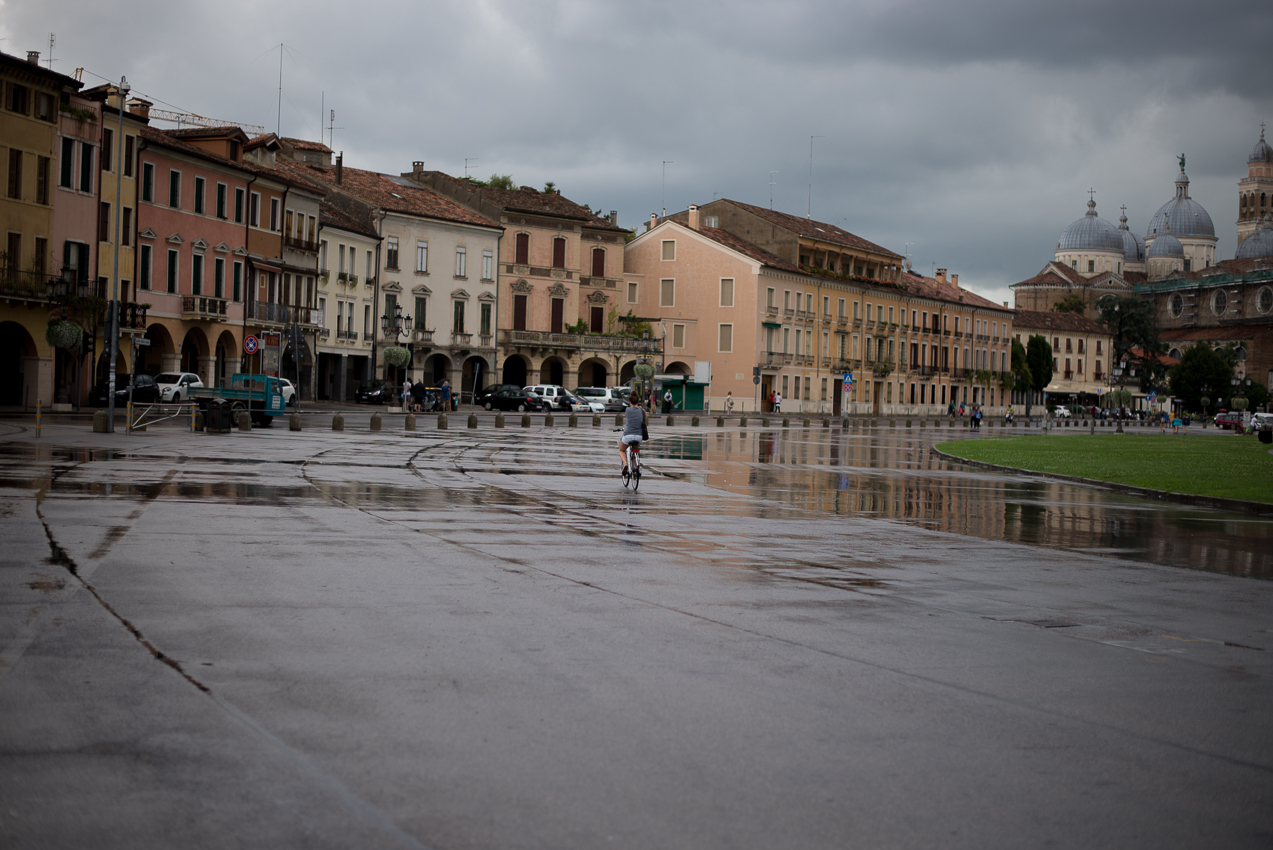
[
  {"x": 745, "y": 248},
  {"x": 304, "y": 145},
  {"x": 928, "y": 287},
  {"x": 165, "y": 138},
  {"x": 528, "y": 200},
  {"x": 819, "y": 230},
  {"x": 396, "y": 194},
  {"x": 1068, "y": 322},
  {"x": 330, "y": 216}
]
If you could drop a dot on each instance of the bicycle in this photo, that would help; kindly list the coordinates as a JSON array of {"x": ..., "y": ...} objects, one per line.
[{"x": 632, "y": 472}]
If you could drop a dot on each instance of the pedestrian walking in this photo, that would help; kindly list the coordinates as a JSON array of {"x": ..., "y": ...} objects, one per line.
[
  {"x": 406, "y": 393},
  {"x": 446, "y": 394},
  {"x": 777, "y": 402},
  {"x": 667, "y": 401},
  {"x": 729, "y": 402}
]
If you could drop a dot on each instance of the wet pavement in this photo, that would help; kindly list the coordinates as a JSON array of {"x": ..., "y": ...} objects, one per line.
[{"x": 788, "y": 637}]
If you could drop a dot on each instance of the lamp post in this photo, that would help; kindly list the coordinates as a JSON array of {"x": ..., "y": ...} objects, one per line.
[
  {"x": 112, "y": 312},
  {"x": 1118, "y": 394},
  {"x": 395, "y": 325}
]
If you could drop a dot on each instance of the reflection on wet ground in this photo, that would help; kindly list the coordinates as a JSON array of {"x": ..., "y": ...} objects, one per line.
[
  {"x": 898, "y": 477},
  {"x": 882, "y": 474}
]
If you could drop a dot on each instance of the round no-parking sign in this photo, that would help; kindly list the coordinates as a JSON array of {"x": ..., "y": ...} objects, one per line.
[{"x": 250, "y": 345}]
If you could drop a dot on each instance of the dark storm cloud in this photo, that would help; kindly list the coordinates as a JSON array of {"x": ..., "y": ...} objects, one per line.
[{"x": 971, "y": 130}]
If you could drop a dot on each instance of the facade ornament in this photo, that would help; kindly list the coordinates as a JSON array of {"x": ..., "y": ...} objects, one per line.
[
  {"x": 520, "y": 286},
  {"x": 557, "y": 290},
  {"x": 597, "y": 297}
]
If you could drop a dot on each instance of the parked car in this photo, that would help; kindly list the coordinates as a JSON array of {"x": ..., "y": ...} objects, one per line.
[
  {"x": 175, "y": 386},
  {"x": 145, "y": 391},
  {"x": 1061, "y": 412},
  {"x": 555, "y": 396},
  {"x": 613, "y": 399},
  {"x": 1230, "y": 420},
  {"x": 376, "y": 391},
  {"x": 483, "y": 394},
  {"x": 514, "y": 399},
  {"x": 289, "y": 391}
]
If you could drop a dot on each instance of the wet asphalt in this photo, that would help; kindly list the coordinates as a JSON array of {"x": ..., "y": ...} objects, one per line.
[{"x": 478, "y": 638}]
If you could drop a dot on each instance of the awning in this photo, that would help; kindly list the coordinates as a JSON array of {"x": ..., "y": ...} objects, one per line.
[{"x": 771, "y": 324}]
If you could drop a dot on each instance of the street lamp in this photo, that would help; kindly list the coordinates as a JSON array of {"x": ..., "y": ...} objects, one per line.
[
  {"x": 394, "y": 326},
  {"x": 1118, "y": 394},
  {"x": 112, "y": 314}
]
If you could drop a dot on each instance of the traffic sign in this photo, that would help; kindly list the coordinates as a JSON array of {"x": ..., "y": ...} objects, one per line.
[
  {"x": 755, "y": 379},
  {"x": 250, "y": 345}
]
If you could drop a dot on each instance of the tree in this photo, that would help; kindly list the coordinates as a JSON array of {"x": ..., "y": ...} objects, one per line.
[
  {"x": 1038, "y": 360},
  {"x": 501, "y": 181},
  {"x": 1072, "y": 303},
  {"x": 1258, "y": 396},
  {"x": 550, "y": 188},
  {"x": 1201, "y": 373},
  {"x": 1130, "y": 322}
]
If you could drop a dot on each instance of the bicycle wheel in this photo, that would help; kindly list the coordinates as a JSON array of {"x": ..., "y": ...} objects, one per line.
[
  {"x": 636, "y": 473},
  {"x": 625, "y": 475}
]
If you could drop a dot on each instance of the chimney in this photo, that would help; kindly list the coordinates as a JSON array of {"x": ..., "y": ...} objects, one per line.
[
  {"x": 649, "y": 225},
  {"x": 33, "y": 57},
  {"x": 340, "y": 166},
  {"x": 614, "y": 217},
  {"x": 954, "y": 280},
  {"x": 941, "y": 275},
  {"x": 693, "y": 222},
  {"x": 140, "y": 108},
  {"x": 417, "y": 169},
  {"x": 1005, "y": 303}
]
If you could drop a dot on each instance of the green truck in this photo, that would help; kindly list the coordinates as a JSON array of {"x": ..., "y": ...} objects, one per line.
[{"x": 260, "y": 395}]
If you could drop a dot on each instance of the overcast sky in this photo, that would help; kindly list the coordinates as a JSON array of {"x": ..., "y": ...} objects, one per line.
[{"x": 966, "y": 134}]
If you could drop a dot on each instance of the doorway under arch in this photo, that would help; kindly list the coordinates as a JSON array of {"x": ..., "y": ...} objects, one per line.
[
  {"x": 17, "y": 350},
  {"x": 515, "y": 370},
  {"x": 553, "y": 371},
  {"x": 594, "y": 373}
]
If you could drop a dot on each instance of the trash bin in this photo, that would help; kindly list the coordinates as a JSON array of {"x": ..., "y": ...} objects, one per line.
[{"x": 219, "y": 418}]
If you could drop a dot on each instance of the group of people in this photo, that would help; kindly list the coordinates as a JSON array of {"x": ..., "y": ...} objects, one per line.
[{"x": 419, "y": 397}]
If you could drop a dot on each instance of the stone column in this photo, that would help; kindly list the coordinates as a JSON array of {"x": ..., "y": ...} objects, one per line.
[
  {"x": 208, "y": 371},
  {"x": 342, "y": 374},
  {"x": 170, "y": 362}
]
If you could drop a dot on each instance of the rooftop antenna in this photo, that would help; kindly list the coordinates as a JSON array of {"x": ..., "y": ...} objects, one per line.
[
  {"x": 666, "y": 163},
  {"x": 278, "y": 127},
  {"x": 52, "y": 39},
  {"x": 811, "y": 138},
  {"x": 771, "y": 188},
  {"x": 467, "y": 160},
  {"x": 331, "y": 134}
]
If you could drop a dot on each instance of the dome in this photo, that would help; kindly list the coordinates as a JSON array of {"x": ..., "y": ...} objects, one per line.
[
  {"x": 1166, "y": 245},
  {"x": 1261, "y": 152},
  {"x": 1259, "y": 243},
  {"x": 1182, "y": 215},
  {"x": 1090, "y": 233},
  {"x": 1133, "y": 245}
]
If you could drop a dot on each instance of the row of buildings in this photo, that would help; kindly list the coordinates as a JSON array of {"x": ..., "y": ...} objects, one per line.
[{"x": 224, "y": 236}]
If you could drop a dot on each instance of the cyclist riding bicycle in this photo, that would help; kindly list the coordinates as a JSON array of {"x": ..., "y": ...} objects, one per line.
[{"x": 633, "y": 425}]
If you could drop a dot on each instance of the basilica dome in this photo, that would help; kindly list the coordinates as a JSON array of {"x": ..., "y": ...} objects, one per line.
[
  {"x": 1166, "y": 245},
  {"x": 1259, "y": 243},
  {"x": 1182, "y": 215},
  {"x": 1091, "y": 233},
  {"x": 1133, "y": 245}
]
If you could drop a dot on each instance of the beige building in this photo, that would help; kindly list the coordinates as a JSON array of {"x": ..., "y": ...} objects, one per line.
[
  {"x": 1080, "y": 353},
  {"x": 910, "y": 344}
]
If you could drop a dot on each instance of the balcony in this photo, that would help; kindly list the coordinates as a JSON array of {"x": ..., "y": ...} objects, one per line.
[
  {"x": 593, "y": 342},
  {"x": 841, "y": 320},
  {"x": 771, "y": 310},
  {"x": 464, "y": 341},
  {"x": 298, "y": 244},
  {"x": 280, "y": 314},
  {"x": 203, "y": 308},
  {"x": 345, "y": 333},
  {"x": 1098, "y": 376},
  {"x": 1069, "y": 373},
  {"x": 324, "y": 333},
  {"x": 485, "y": 340},
  {"x": 368, "y": 336},
  {"x": 132, "y": 316}
]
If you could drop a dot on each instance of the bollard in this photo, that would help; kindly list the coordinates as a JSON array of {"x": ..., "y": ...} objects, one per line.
[
  {"x": 409, "y": 423},
  {"x": 764, "y": 422},
  {"x": 99, "y": 422},
  {"x": 618, "y": 419},
  {"x": 742, "y": 421},
  {"x": 525, "y": 420},
  {"x": 338, "y": 422},
  {"x": 194, "y": 418},
  {"x": 596, "y": 421},
  {"x": 694, "y": 421},
  {"x": 472, "y": 420},
  {"x": 200, "y": 422},
  {"x": 786, "y": 422},
  {"x": 548, "y": 419},
  {"x": 441, "y": 421},
  {"x": 826, "y": 423},
  {"x": 128, "y": 417},
  {"x": 245, "y": 421},
  {"x": 671, "y": 420},
  {"x": 804, "y": 423},
  {"x": 892, "y": 423},
  {"x": 375, "y": 421},
  {"x": 573, "y": 421},
  {"x": 720, "y": 421},
  {"x": 499, "y": 420},
  {"x": 294, "y": 422}
]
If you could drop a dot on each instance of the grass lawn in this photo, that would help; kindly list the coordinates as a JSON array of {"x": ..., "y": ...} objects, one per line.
[{"x": 1231, "y": 467}]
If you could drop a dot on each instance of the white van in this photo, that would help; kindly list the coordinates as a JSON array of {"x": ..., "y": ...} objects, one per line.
[{"x": 612, "y": 399}]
